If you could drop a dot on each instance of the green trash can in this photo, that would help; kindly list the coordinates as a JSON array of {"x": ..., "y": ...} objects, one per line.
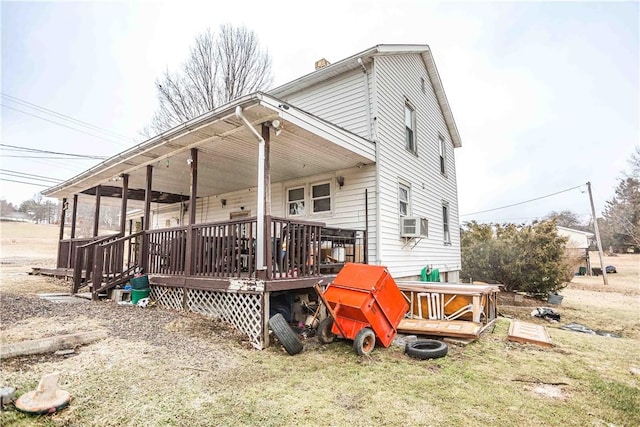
[
  {"x": 582, "y": 271},
  {"x": 138, "y": 294},
  {"x": 140, "y": 282}
]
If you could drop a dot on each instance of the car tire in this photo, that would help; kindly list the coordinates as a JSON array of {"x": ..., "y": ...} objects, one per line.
[
  {"x": 325, "y": 335},
  {"x": 285, "y": 334},
  {"x": 365, "y": 342},
  {"x": 426, "y": 349}
]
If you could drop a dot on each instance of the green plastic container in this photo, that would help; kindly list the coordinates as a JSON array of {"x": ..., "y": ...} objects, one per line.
[
  {"x": 141, "y": 282},
  {"x": 138, "y": 294}
]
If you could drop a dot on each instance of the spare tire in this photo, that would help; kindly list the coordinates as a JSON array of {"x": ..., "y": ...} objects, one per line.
[
  {"x": 324, "y": 332},
  {"x": 285, "y": 335},
  {"x": 426, "y": 349}
]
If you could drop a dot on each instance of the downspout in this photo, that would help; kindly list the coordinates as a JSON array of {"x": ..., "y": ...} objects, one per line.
[
  {"x": 378, "y": 260},
  {"x": 260, "y": 202}
]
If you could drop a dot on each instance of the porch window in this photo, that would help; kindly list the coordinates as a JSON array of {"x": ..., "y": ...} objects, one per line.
[
  {"x": 321, "y": 197},
  {"x": 410, "y": 128},
  {"x": 295, "y": 200},
  {"x": 445, "y": 223},
  {"x": 404, "y": 193},
  {"x": 442, "y": 148}
]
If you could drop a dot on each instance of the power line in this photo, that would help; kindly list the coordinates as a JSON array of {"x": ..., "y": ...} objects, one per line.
[
  {"x": 522, "y": 203},
  {"x": 35, "y": 150},
  {"x": 23, "y": 182},
  {"x": 66, "y": 126},
  {"x": 20, "y": 174},
  {"x": 63, "y": 116},
  {"x": 48, "y": 157}
]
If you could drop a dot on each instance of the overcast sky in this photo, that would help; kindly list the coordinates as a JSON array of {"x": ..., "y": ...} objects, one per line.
[{"x": 545, "y": 95}]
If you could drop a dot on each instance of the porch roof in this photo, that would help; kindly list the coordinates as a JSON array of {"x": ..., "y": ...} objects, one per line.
[{"x": 228, "y": 152}]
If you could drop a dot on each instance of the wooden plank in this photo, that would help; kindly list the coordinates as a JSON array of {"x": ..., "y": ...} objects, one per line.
[
  {"x": 445, "y": 328},
  {"x": 529, "y": 333}
]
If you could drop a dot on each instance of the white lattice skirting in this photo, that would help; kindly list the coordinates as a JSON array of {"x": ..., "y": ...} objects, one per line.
[{"x": 242, "y": 310}]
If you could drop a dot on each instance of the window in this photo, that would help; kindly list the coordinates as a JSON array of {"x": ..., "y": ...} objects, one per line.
[
  {"x": 442, "y": 149},
  {"x": 404, "y": 199},
  {"x": 410, "y": 128},
  {"x": 295, "y": 200},
  {"x": 445, "y": 223},
  {"x": 321, "y": 197}
]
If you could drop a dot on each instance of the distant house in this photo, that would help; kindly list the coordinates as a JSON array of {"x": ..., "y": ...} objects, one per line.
[
  {"x": 578, "y": 245},
  {"x": 271, "y": 192}
]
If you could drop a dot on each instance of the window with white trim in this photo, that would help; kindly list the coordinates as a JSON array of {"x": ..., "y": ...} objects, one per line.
[
  {"x": 442, "y": 150},
  {"x": 404, "y": 199},
  {"x": 445, "y": 223},
  {"x": 321, "y": 197},
  {"x": 295, "y": 201},
  {"x": 410, "y": 128}
]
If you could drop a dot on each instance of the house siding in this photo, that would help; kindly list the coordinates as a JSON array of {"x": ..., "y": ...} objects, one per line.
[
  {"x": 398, "y": 78},
  {"x": 341, "y": 100}
]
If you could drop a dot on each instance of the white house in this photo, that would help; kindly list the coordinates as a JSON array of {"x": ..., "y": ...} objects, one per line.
[{"x": 352, "y": 162}]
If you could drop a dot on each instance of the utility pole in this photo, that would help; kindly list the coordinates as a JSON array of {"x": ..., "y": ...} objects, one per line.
[{"x": 595, "y": 228}]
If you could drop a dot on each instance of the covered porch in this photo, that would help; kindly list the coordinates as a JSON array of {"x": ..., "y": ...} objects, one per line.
[{"x": 226, "y": 268}]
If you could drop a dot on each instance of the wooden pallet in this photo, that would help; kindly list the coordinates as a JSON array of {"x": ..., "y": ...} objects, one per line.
[{"x": 445, "y": 328}]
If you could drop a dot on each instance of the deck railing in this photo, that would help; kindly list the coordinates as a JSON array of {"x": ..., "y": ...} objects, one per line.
[
  {"x": 67, "y": 250},
  {"x": 84, "y": 261},
  {"x": 114, "y": 262},
  {"x": 293, "y": 249}
]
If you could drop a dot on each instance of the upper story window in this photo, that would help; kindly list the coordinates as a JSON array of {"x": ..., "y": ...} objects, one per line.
[
  {"x": 445, "y": 223},
  {"x": 410, "y": 128},
  {"x": 295, "y": 201},
  {"x": 321, "y": 197},
  {"x": 404, "y": 199},
  {"x": 442, "y": 150}
]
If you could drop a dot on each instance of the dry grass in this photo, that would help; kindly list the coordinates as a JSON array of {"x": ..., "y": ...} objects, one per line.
[{"x": 184, "y": 370}]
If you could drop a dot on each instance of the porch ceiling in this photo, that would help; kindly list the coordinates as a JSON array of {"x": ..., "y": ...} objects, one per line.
[{"x": 227, "y": 154}]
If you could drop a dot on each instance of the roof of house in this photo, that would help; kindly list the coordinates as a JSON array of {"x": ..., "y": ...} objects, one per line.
[
  {"x": 222, "y": 125},
  {"x": 367, "y": 56}
]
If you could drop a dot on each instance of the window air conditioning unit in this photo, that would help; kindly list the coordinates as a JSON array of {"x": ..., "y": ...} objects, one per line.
[{"x": 414, "y": 227}]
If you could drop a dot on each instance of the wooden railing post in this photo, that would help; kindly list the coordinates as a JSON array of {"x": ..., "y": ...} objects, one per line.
[
  {"x": 98, "y": 260},
  {"x": 269, "y": 246},
  {"x": 77, "y": 271}
]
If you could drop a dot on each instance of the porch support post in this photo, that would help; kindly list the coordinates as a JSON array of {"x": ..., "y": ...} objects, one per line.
[
  {"x": 123, "y": 207},
  {"x": 96, "y": 216},
  {"x": 266, "y": 135},
  {"x": 188, "y": 268},
  {"x": 260, "y": 198},
  {"x": 194, "y": 186},
  {"x": 146, "y": 219},
  {"x": 74, "y": 216},
  {"x": 63, "y": 214}
]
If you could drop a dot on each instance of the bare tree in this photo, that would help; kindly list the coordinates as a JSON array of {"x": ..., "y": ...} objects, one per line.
[{"x": 220, "y": 68}]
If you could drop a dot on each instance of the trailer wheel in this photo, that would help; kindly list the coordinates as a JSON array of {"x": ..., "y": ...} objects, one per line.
[
  {"x": 285, "y": 335},
  {"x": 426, "y": 349},
  {"x": 364, "y": 342},
  {"x": 325, "y": 336}
]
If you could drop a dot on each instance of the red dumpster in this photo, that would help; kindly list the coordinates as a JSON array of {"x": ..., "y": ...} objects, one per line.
[{"x": 363, "y": 301}]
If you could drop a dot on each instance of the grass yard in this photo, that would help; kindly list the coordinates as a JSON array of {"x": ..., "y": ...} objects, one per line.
[{"x": 159, "y": 367}]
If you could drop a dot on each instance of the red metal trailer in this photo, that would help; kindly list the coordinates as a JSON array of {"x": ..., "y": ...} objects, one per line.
[{"x": 364, "y": 303}]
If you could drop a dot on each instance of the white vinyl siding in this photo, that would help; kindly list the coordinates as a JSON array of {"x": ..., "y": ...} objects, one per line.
[
  {"x": 340, "y": 100},
  {"x": 398, "y": 78}
]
